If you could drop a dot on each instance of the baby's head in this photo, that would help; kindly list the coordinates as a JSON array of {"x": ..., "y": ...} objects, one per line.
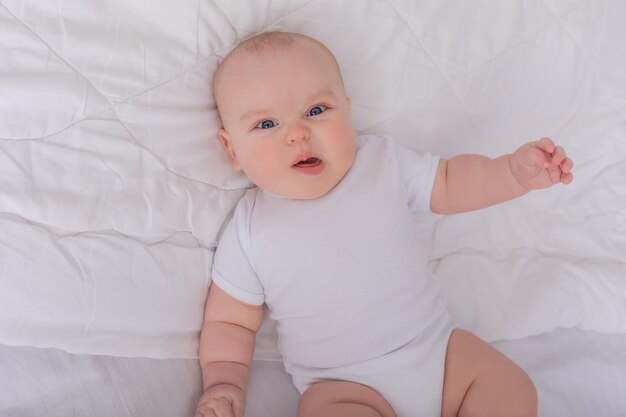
[{"x": 285, "y": 114}]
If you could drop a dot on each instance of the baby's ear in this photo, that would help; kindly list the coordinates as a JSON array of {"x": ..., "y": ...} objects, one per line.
[{"x": 228, "y": 146}]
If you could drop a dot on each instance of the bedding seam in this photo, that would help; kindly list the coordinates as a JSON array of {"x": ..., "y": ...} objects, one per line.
[
  {"x": 113, "y": 103},
  {"x": 49, "y": 135},
  {"x": 216, "y": 55},
  {"x": 58, "y": 55},
  {"x": 521, "y": 41},
  {"x": 434, "y": 63},
  {"x": 112, "y": 233},
  {"x": 587, "y": 61}
]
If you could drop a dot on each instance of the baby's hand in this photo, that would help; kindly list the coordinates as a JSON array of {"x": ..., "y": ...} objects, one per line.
[
  {"x": 541, "y": 164},
  {"x": 223, "y": 400}
]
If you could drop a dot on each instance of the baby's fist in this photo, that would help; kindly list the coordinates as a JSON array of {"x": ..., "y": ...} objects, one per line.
[
  {"x": 541, "y": 164},
  {"x": 223, "y": 400}
]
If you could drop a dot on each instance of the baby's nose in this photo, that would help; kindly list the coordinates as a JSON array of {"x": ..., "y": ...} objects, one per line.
[{"x": 298, "y": 133}]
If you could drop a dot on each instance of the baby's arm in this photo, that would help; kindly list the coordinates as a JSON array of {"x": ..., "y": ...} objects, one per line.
[
  {"x": 226, "y": 349},
  {"x": 470, "y": 182}
]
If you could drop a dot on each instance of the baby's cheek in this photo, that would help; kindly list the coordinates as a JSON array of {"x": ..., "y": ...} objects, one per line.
[
  {"x": 264, "y": 171},
  {"x": 349, "y": 149}
]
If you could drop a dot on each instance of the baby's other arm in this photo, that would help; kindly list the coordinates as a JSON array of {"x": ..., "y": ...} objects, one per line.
[
  {"x": 470, "y": 182},
  {"x": 226, "y": 349}
]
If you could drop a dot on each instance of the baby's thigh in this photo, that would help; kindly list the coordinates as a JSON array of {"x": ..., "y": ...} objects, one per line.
[
  {"x": 480, "y": 380},
  {"x": 342, "y": 398}
]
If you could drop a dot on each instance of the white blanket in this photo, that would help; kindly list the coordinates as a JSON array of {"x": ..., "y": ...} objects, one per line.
[{"x": 113, "y": 186}]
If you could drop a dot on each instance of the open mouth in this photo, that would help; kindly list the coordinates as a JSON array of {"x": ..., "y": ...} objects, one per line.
[{"x": 308, "y": 163}]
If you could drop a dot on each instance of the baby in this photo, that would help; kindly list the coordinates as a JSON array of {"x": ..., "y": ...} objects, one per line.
[{"x": 327, "y": 240}]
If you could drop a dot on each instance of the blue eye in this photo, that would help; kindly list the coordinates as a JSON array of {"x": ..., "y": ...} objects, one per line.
[
  {"x": 266, "y": 124},
  {"x": 317, "y": 110}
]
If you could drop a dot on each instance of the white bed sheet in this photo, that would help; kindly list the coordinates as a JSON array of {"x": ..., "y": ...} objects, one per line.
[{"x": 577, "y": 374}]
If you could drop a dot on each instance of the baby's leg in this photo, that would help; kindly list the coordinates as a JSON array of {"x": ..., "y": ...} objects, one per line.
[
  {"x": 342, "y": 399},
  {"x": 481, "y": 381}
]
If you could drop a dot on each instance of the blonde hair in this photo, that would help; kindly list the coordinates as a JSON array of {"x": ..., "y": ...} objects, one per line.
[{"x": 270, "y": 41}]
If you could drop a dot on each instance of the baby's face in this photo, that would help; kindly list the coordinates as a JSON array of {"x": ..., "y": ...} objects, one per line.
[{"x": 286, "y": 120}]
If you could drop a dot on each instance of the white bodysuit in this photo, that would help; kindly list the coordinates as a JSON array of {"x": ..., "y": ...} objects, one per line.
[{"x": 345, "y": 278}]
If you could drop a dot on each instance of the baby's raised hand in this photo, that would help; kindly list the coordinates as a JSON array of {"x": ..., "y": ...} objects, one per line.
[
  {"x": 223, "y": 400},
  {"x": 540, "y": 164}
]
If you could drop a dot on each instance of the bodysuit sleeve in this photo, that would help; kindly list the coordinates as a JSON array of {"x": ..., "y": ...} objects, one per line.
[
  {"x": 418, "y": 173},
  {"x": 232, "y": 268}
]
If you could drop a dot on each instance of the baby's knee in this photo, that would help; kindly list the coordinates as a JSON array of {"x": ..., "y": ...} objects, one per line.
[
  {"x": 523, "y": 400},
  {"x": 508, "y": 393},
  {"x": 528, "y": 399}
]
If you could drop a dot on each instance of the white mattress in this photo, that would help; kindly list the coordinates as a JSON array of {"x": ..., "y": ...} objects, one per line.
[
  {"x": 113, "y": 186},
  {"x": 577, "y": 374}
]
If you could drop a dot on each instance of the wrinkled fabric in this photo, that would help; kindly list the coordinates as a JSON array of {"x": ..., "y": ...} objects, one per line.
[{"x": 113, "y": 185}]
